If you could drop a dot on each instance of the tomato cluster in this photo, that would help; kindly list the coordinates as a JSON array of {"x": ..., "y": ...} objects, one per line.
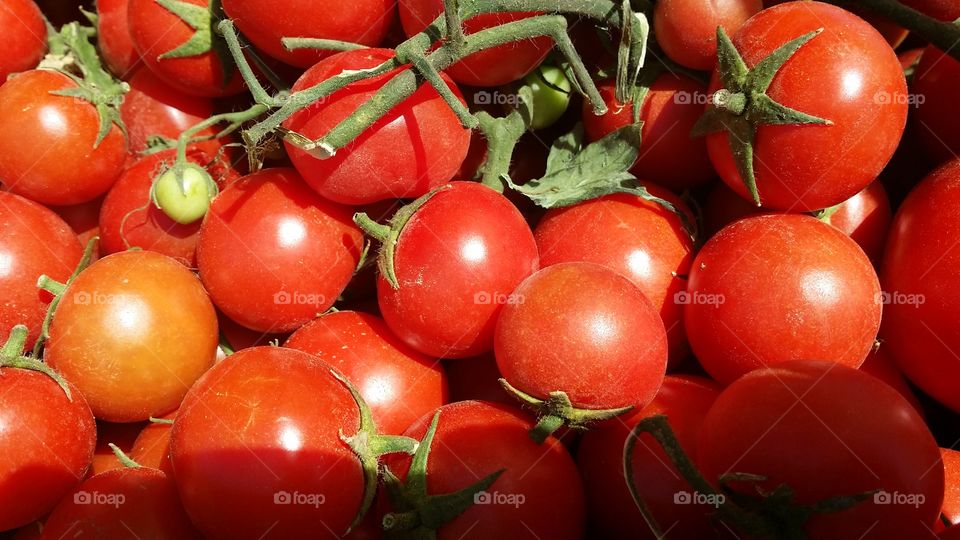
[{"x": 679, "y": 269}]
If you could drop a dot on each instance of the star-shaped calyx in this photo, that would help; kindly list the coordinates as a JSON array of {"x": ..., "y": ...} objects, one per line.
[
  {"x": 203, "y": 21},
  {"x": 742, "y": 105}
]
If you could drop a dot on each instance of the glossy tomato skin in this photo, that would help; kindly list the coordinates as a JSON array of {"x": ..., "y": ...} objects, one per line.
[
  {"x": 25, "y": 37},
  {"x": 138, "y": 502},
  {"x": 866, "y": 219},
  {"x": 668, "y": 155},
  {"x": 612, "y": 512},
  {"x": 687, "y": 29},
  {"x": 859, "y": 87},
  {"x": 47, "y": 443},
  {"x": 773, "y": 288},
  {"x": 33, "y": 242},
  {"x": 585, "y": 330},
  {"x": 133, "y": 332},
  {"x": 880, "y": 365},
  {"x": 785, "y": 423},
  {"x": 457, "y": 260},
  {"x": 920, "y": 327},
  {"x": 113, "y": 38},
  {"x": 399, "y": 384},
  {"x": 151, "y": 448},
  {"x": 156, "y": 31},
  {"x": 273, "y": 254},
  {"x": 492, "y": 67},
  {"x": 544, "y": 475},
  {"x": 639, "y": 239},
  {"x": 47, "y": 141},
  {"x": 365, "y": 22},
  {"x": 951, "y": 493},
  {"x": 935, "y": 118},
  {"x": 416, "y": 147},
  {"x": 267, "y": 421}
]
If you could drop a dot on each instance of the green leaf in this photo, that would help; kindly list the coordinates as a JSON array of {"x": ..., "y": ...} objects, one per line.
[{"x": 565, "y": 149}]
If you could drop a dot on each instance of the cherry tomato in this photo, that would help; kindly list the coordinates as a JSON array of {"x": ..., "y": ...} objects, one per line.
[
  {"x": 273, "y": 254},
  {"x": 953, "y": 533},
  {"x": 815, "y": 427},
  {"x": 47, "y": 151},
  {"x": 416, "y": 147},
  {"x": 865, "y": 218},
  {"x": 84, "y": 219},
  {"x": 457, "y": 260},
  {"x": 121, "y": 435},
  {"x": 133, "y": 332},
  {"x": 551, "y": 95},
  {"x": 240, "y": 337},
  {"x": 880, "y": 365},
  {"x": 686, "y": 30},
  {"x": 113, "y": 38},
  {"x": 25, "y": 36},
  {"x": 722, "y": 207},
  {"x": 944, "y": 10},
  {"x": 151, "y": 448},
  {"x": 951, "y": 497},
  {"x": 935, "y": 117}
]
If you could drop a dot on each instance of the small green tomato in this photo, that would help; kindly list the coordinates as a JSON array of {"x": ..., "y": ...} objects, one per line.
[
  {"x": 551, "y": 95},
  {"x": 184, "y": 192}
]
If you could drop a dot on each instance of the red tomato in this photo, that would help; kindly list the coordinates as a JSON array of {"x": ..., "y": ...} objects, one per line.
[
  {"x": 639, "y": 239},
  {"x": 859, "y": 87},
  {"x": 612, "y": 512},
  {"x": 47, "y": 141},
  {"x": 262, "y": 428},
  {"x": 492, "y": 67},
  {"x": 476, "y": 378},
  {"x": 25, "y": 36},
  {"x": 951, "y": 496},
  {"x": 722, "y": 207},
  {"x": 880, "y": 365},
  {"x": 953, "y": 533},
  {"x": 920, "y": 327},
  {"x": 789, "y": 425},
  {"x": 865, "y": 218},
  {"x": 151, "y": 448},
  {"x": 33, "y": 241},
  {"x": 687, "y": 29},
  {"x": 113, "y": 38},
  {"x": 137, "y": 502},
  {"x": 360, "y": 21},
  {"x": 539, "y": 494},
  {"x": 84, "y": 219},
  {"x": 668, "y": 155},
  {"x": 121, "y": 435},
  {"x": 416, "y": 147},
  {"x": 936, "y": 117},
  {"x": 240, "y": 337},
  {"x": 457, "y": 260},
  {"x": 399, "y": 384},
  {"x": 273, "y": 254},
  {"x": 773, "y": 288},
  {"x": 584, "y": 330},
  {"x": 133, "y": 332},
  {"x": 944, "y": 10}
]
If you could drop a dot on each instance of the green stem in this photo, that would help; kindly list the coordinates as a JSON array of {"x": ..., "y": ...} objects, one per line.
[
  {"x": 125, "y": 460},
  {"x": 432, "y": 76},
  {"x": 377, "y": 231},
  {"x": 234, "y": 119},
  {"x": 296, "y": 43},
  {"x": 451, "y": 12},
  {"x": 502, "y": 136},
  {"x": 232, "y": 39}
]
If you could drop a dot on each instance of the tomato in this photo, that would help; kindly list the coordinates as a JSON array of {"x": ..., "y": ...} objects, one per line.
[
  {"x": 935, "y": 118},
  {"x": 890, "y": 31},
  {"x": 865, "y": 218},
  {"x": 551, "y": 95},
  {"x": 84, "y": 219},
  {"x": 476, "y": 378},
  {"x": 416, "y": 147},
  {"x": 722, "y": 207},
  {"x": 944, "y": 10},
  {"x": 262, "y": 428},
  {"x": 668, "y": 155},
  {"x": 492, "y": 67},
  {"x": 151, "y": 448},
  {"x": 639, "y": 239},
  {"x": 773, "y": 288},
  {"x": 47, "y": 151},
  {"x": 613, "y": 514},
  {"x": 538, "y": 495},
  {"x": 859, "y": 86},
  {"x": 457, "y": 260},
  {"x": 880, "y": 365},
  {"x": 29, "y": 532},
  {"x": 137, "y": 502},
  {"x": 240, "y": 337},
  {"x": 399, "y": 384},
  {"x": 815, "y": 427},
  {"x": 155, "y": 31},
  {"x": 951, "y": 497},
  {"x": 365, "y": 22},
  {"x": 25, "y": 36},
  {"x": 273, "y": 254},
  {"x": 113, "y": 38},
  {"x": 953, "y": 533},
  {"x": 133, "y": 332},
  {"x": 121, "y": 435},
  {"x": 686, "y": 30},
  {"x": 920, "y": 327},
  {"x": 33, "y": 241},
  {"x": 584, "y": 330}
]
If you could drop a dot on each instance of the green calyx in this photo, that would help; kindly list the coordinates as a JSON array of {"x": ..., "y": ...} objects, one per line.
[
  {"x": 557, "y": 410},
  {"x": 12, "y": 356},
  {"x": 203, "y": 20},
  {"x": 742, "y": 105},
  {"x": 418, "y": 515},
  {"x": 57, "y": 289}
]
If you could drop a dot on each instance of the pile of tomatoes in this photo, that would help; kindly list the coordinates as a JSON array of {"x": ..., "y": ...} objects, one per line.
[{"x": 676, "y": 269}]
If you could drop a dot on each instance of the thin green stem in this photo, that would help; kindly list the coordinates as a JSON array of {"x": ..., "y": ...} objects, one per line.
[
  {"x": 432, "y": 76},
  {"x": 232, "y": 39},
  {"x": 234, "y": 119},
  {"x": 297, "y": 43}
]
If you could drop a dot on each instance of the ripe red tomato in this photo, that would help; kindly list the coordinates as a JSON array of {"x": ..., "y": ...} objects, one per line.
[
  {"x": 722, "y": 207},
  {"x": 612, "y": 512},
  {"x": 133, "y": 332},
  {"x": 399, "y": 384},
  {"x": 457, "y": 260},
  {"x": 137, "y": 502},
  {"x": 121, "y": 435},
  {"x": 953, "y": 533},
  {"x": 84, "y": 220},
  {"x": 935, "y": 118},
  {"x": 113, "y": 38},
  {"x": 151, "y": 448},
  {"x": 585, "y": 330},
  {"x": 944, "y": 10},
  {"x": 951, "y": 493},
  {"x": 668, "y": 155},
  {"x": 361, "y": 21},
  {"x": 639, "y": 239},
  {"x": 686, "y": 30},
  {"x": 416, "y": 147},
  {"x": 25, "y": 36},
  {"x": 33, "y": 241},
  {"x": 257, "y": 453},
  {"x": 865, "y": 218},
  {"x": 773, "y": 288},
  {"x": 880, "y": 365},
  {"x": 273, "y": 254},
  {"x": 859, "y": 87},
  {"x": 492, "y": 67},
  {"x": 47, "y": 141},
  {"x": 815, "y": 427},
  {"x": 920, "y": 327}
]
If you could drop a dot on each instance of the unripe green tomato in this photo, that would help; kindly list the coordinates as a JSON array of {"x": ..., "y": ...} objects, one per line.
[
  {"x": 549, "y": 102},
  {"x": 184, "y": 192}
]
